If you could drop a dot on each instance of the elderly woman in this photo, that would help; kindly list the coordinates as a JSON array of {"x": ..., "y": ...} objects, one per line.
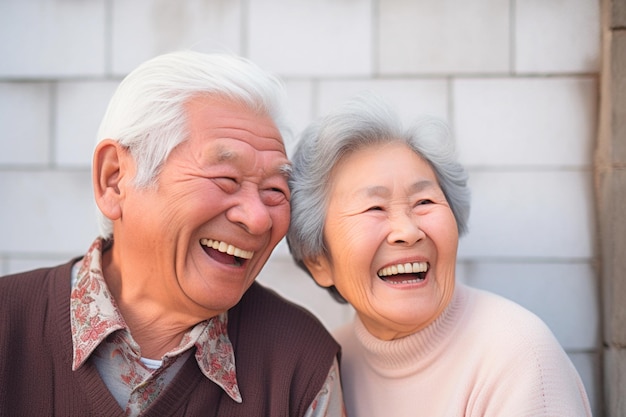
[{"x": 376, "y": 216}]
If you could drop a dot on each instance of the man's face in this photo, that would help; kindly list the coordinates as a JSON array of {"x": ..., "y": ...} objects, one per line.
[{"x": 220, "y": 207}]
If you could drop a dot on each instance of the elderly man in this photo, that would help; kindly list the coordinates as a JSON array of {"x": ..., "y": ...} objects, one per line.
[{"x": 161, "y": 316}]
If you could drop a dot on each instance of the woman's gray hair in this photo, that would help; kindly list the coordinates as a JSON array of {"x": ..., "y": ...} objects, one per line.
[
  {"x": 362, "y": 122},
  {"x": 147, "y": 111}
]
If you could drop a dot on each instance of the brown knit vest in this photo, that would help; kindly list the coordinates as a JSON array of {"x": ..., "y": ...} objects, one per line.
[{"x": 282, "y": 354}]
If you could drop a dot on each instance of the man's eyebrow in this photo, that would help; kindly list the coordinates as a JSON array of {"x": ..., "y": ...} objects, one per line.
[
  {"x": 226, "y": 155},
  {"x": 286, "y": 169}
]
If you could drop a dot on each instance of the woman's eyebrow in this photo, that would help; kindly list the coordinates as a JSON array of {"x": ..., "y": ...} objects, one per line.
[
  {"x": 382, "y": 191},
  {"x": 375, "y": 191},
  {"x": 422, "y": 185}
]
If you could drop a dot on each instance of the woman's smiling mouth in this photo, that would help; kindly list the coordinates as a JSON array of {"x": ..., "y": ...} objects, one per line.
[{"x": 404, "y": 273}]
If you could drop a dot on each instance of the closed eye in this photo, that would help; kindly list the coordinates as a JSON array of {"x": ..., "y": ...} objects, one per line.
[
  {"x": 275, "y": 191},
  {"x": 274, "y": 196},
  {"x": 229, "y": 185}
]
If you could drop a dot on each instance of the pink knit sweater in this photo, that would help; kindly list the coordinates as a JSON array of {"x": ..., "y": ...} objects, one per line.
[{"x": 484, "y": 356}]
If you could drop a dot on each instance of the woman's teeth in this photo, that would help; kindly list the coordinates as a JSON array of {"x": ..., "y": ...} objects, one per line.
[
  {"x": 406, "y": 268},
  {"x": 226, "y": 248}
]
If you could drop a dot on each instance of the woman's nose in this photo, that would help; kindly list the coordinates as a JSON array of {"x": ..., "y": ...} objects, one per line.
[{"x": 405, "y": 228}]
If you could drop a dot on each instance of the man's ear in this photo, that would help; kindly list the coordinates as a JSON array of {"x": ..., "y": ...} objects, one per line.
[
  {"x": 109, "y": 169},
  {"x": 320, "y": 268}
]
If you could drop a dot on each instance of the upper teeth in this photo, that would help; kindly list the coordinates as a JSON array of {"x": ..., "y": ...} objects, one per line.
[
  {"x": 227, "y": 248},
  {"x": 407, "y": 268}
]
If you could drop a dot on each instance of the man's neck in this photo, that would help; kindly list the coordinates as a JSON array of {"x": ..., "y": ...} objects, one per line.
[{"x": 155, "y": 327}]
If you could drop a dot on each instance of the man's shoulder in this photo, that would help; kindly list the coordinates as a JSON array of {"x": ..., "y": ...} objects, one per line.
[
  {"x": 280, "y": 348},
  {"x": 278, "y": 314},
  {"x": 31, "y": 284},
  {"x": 23, "y": 281},
  {"x": 259, "y": 297}
]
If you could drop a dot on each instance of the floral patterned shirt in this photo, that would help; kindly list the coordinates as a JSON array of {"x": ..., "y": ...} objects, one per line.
[{"x": 100, "y": 332}]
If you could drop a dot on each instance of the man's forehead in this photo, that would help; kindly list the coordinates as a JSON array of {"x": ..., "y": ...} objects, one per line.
[
  {"x": 218, "y": 111},
  {"x": 224, "y": 120}
]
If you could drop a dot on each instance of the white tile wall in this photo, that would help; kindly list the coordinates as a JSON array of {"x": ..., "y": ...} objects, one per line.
[
  {"x": 300, "y": 108},
  {"x": 29, "y": 262},
  {"x": 46, "y": 212},
  {"x": 538, "y": 215},
  {"x": 516, "y": 79},
  {"x": 311, "y": 38},
  {"x": 525, "y": 121},
  {"x": 444, "y": 36},
  {"x": 142, "y": 29},
  {"x": 411, "y": 98},
  {"x": 557, "y": 36},
  {"x": 80, "y": 106},
  {"x": 25, "y": 121},
  {"x": 43, "y": 38}
]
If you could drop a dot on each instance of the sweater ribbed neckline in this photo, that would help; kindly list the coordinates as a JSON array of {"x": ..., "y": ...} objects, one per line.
[{"x": 395, "y": 358}]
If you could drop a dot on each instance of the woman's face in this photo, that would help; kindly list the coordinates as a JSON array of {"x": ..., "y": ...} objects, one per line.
[{"x": 392, "y": 240}]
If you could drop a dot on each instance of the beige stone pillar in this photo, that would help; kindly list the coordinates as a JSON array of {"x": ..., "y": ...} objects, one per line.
[{"x": 610, "y": 174}]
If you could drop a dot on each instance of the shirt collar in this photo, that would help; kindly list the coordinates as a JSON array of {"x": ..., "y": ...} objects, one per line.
[{"x": 94, "y": 316}]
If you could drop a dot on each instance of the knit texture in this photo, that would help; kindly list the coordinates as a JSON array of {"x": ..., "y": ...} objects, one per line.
[
  {"x": 282, "y": 353},
  {"x": 484, "y": 356}
]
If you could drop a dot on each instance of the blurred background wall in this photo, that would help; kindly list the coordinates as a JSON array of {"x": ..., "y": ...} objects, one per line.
[{"x": 518, "y": 81}]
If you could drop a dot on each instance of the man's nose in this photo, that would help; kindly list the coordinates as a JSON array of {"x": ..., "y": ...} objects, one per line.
[{"x": 251, "y": 213}]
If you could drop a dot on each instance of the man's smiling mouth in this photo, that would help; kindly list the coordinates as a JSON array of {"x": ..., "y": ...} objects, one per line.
[
  {"x": 225, "y": 252},
  {"x": 404, "y": 273}
]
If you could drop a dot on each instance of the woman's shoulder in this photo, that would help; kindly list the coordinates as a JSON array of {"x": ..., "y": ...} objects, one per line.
[
  {"x": 505, "y": 322},
  {"x": 513, "y": 346}
]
